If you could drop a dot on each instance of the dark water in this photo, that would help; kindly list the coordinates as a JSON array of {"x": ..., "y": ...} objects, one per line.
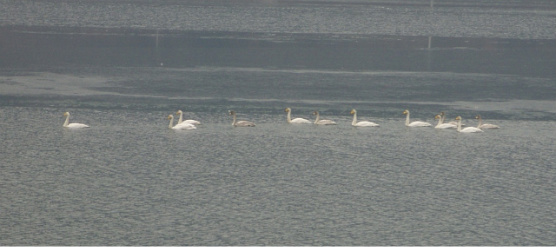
[{"x": 122, "y": 67}]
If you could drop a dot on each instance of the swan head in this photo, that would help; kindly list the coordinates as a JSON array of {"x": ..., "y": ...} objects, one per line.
[
  {"x": 353, "y": 111},
  {"x": 288, "y": 109},
  {"x": 478, "y": 117},
  {"x": 437, "y": 117},
  {"x": 315, "y": 113},
  {"x": 170, "y": 116},
  {"x": 179, "y": 112},
  {"x": 232, "y": 113},
  {"x": 458, "y": 118},
  {"x": 66, "y": 114},
  {"x": 441, "y": 113},
  {"x": 405, "y": 112}
]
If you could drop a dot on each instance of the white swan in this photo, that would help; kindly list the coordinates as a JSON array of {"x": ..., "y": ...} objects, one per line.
[
  {"x": 416, "y": 123},
  {"x": 295, "y": 120},
  {"x": 182, "y": 126},
  {"x": 455, "y": 123},
  {"x": 362, "y": 123},
  {"x": 240, "y": 123},
  {"x": 189, "y": 121},
  {"x": 442, "y": 125},
  {"x": 468, "y": 129},
  {"x": 322, "y": 122},
  {"x": 485, "y": 126},
  {"x": 73, "y": 125}
]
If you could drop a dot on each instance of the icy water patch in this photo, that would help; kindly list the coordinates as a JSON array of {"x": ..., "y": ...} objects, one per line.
[{"x": 45, "y": 83}]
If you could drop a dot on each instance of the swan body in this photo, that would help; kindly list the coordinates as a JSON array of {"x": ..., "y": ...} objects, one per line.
[
  {"x": 485, "y": 126},
  {"x": 73, "y": 125},
  {"x": 362, "y": 123},
  {"x": 415, "y": 123},
  {"x": 189, "y": 121},
  {"x": 468, "y": 129},
  {"x": 240, "y": 123},
  {"x": 182, "y": 126},
  {"x": 442, "y": 125},
  {"x": 295, "y": 120},
  {"x": 323, "y": 121}
]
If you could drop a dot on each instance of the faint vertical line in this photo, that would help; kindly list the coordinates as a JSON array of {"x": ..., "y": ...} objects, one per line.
[
  {"x": 429, "y": 58},
  {"x": 156, "y": 40},
  {"x": 429, "y": 46},
  {"x": 156, "y": 51}
]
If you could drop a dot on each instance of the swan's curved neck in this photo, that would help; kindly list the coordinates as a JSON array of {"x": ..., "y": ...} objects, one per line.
[
  {"x": 439, "y": 121},
  {"x": 171, "y": 122},
  {"x": 480, "y": 122},
  {"x": 66, "y": 123},
  {"x": 289, "y": 117},
  {"x": 459, "y": 125},
  {"x": 234, "y": 121},
  {"x": 318, "y": 118},
  {"x": 180, "y": 119},
  {"x": 442, "y": 118},
  {"x": 407, "y": 119},
  {"x": 354, "y": 122}
]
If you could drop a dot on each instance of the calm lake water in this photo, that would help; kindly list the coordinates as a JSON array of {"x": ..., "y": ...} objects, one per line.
[{"x": 129, "y": 180}]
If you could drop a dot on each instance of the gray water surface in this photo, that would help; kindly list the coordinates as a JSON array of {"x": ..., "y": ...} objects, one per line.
[{"x": 130, "y": 180}]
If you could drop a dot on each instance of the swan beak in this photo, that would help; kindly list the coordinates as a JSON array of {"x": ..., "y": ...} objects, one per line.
[{"x": 352, "y": 112}]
